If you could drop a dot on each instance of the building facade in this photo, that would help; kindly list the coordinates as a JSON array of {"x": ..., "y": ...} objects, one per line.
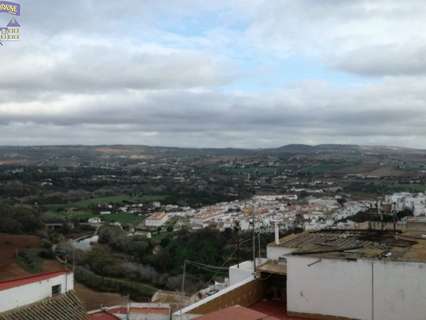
[{"x": 24, "y": 291}]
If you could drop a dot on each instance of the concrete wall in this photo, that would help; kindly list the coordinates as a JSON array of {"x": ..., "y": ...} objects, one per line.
[
  {"x": 362, "y": 289},
  {"x": 30, "y": 293}
]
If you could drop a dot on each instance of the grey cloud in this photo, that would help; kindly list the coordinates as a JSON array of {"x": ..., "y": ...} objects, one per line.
[
  {"x": 305, "y": 114},
  {"x": 392, "y": 60}
]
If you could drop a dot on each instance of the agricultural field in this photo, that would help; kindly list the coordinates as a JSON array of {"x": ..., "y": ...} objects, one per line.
[
  {"x": 117, "y": 199},
  {"x": 83, "y": 216},
  {"x": 10, "y": 245},
  {"x": 84, "y": 209},
  {"x": 123, "y": 218},
  {"x": 92, "y": 299},
  {"x": 12, "y": 266}
]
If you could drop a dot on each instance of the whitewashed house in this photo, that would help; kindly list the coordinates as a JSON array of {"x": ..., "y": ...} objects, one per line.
[
  {"x": 157, "y": 219},
  {"x": 17, "y": 293}
]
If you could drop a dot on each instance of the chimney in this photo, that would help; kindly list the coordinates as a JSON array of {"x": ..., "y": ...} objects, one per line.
[{"x": 277, "y": 233}]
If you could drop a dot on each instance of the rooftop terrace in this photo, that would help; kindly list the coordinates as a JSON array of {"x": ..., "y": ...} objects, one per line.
[{"x": 353, "y": 244}]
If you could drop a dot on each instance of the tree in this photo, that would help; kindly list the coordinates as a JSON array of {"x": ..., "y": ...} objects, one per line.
[{"x": 19, "y": 219}]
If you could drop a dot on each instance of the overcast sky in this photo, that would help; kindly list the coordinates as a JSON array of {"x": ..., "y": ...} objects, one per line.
[{"x": 219, "y": 73}]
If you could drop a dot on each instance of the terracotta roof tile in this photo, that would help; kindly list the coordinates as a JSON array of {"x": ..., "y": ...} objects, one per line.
[
  {"x": 62, "y": 307},
  {"x": 102, "y": 315}
]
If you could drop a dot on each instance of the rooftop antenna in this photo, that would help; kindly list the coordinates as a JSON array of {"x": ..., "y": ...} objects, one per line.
[
  {"x": 128, "y": 306},
  {"x": 380, "y": 213},
  {"x": 253, "y": 234},
  {"x": 73, "y": 259},
  {"x": 237, "y": 229},
  {"x": 258, "y": 242},
  {"x": 182, "y": 289},
  {"x": 394, "y": 214}
]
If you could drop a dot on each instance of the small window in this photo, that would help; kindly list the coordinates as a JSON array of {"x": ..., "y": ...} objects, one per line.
[{"x": 56, "y": 290}]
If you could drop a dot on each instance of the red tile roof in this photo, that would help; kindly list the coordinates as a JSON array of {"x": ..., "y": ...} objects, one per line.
[
  {"x": 274, "y": 309},
  {"x": 64, "y": 307},
  {"x": 7, "y": 284},
  {"x": 236, "y": 313},
  {"x": 102, "y": 315}
]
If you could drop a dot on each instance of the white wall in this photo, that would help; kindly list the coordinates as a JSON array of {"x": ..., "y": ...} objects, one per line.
[
  {"x": 330, "y": 287},
  {"x": 399, "y": 291},
  {"x": 34, "y": 292},
  {"x": 244, "y": 272},
  {"x": 362, "y": 289}
]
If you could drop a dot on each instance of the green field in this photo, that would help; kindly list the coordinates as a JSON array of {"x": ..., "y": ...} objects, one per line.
[
  {"x": 52, "y": 215},
  {"x": 123, "y": 218},
  {"x": 118, "y": 199},
  {"x": 82, "y": 209},
  {"x": 408, "y": 187},
  {"x": 82, "y": 216}
]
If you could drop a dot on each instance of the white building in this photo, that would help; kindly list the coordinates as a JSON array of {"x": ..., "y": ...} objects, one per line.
[
  {"x": 404, "y": 200},
  {"x": 21, "y": 292},
  {"x": 94, "y": 221},
  {"x": 349, "y": 275},
  {"x": 157, "y": 219}
]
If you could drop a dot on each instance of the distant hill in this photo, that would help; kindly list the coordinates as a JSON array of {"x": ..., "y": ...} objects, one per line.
[
  {"x": 303, "y": 148},
  {"x": 86, "y": 155}
]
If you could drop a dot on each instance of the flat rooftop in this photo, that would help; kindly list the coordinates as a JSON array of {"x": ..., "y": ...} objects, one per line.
[
  {"x": 354, "y": 244},
  {"x": 273, "y": 267}
]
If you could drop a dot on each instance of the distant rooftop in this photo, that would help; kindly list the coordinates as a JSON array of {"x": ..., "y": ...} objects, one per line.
[
  {"x": 102, "y": 315},
  {"x": 353, "y": 244},
  {"x": 157, "y": 216}
]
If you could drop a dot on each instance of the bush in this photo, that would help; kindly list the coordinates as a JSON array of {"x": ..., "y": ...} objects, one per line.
[
  {"x": 137, "y": 291},
  {"x": 30, "y": 260}
]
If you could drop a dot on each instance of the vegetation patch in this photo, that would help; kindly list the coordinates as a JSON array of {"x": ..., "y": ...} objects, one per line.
[
  {"x": 136, "y": 290},
  {"x": 30, "y": 260}
]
